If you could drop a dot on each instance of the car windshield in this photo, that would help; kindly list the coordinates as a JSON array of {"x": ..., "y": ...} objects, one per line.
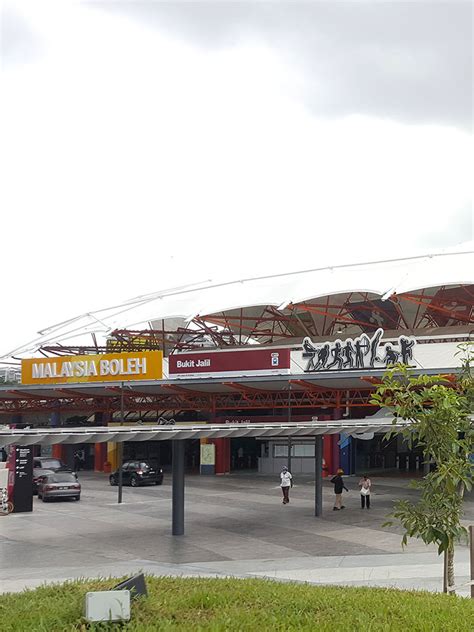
[
  {"x": 145, "y": 466},
  {"x": 50, "y": 464},
  {"x": 62, "y": 477}
]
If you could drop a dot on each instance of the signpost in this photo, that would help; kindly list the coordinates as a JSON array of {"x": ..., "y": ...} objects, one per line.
[{"x": 23, "y": 479}]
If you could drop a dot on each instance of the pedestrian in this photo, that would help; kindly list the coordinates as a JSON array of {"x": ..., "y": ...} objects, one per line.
[
  {"x": 338, "y": 483},
  {"x": 365, "y": 484},
  {"x": 285, "y": 484},
  {"x": 77, "y": 461}
]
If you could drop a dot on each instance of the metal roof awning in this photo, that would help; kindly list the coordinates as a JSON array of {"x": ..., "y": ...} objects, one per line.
[
  {"x": 352, "y": 379},
  {"x": 120, "y": 434}
]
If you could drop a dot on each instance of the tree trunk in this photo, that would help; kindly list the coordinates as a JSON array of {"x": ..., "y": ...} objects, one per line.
[{"x": 448, "y": 569}]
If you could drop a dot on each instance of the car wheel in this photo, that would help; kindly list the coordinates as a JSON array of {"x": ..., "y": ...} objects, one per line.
[
  {"x": 45, "y": 500},
  {"x": 113, "y": 481},
  {"x": 159, "y": 482},
  {"x": 77, "y": 497},
  {"x": 134, "y": 481},
  {"x": 40, "y": 497}
]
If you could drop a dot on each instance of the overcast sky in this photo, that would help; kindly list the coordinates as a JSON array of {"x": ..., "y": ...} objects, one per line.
[{"x": 146, "y": 144}]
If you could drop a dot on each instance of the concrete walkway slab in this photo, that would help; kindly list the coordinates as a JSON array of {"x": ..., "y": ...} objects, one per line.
[{"x": 235, "y": 526}]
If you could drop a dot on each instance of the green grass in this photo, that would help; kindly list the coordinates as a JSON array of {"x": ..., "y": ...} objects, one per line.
[{"x": 247, "y": 604}]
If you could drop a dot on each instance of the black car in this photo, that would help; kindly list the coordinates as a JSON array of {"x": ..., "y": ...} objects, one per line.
[
  {"x": 46, "y": 465},
  {"x": 137, "y": 473}
]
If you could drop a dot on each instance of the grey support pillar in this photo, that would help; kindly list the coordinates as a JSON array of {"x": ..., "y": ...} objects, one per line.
[
  {"x": 318, "y": 475},
  {"x": 178, "y": 487},
  {"x": 55, "y": 419}
]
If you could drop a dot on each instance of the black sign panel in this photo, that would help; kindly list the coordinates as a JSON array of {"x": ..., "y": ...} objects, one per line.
[
  {"x": 23, "y": 487},
  {"x": 363, "y": 352}
]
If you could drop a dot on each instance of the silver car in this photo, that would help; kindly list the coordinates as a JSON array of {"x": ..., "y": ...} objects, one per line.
[{"x": 59, "y": 485}]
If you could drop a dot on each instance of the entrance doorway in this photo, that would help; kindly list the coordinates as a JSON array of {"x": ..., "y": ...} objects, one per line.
[
  {"x": 381, "y": 454},
  {"x": 244, "y": 454}
]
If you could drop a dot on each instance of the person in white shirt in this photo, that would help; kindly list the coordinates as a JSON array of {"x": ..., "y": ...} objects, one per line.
[
  {"x": 285, "y": 484},
  {"x": 365, "y": 485}
]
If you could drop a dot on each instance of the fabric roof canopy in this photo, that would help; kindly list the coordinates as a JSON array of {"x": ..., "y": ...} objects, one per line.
[{"x": 179, "y": 306}]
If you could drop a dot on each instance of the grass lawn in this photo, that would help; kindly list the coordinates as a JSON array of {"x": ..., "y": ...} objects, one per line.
[{"x": 247, "y": 604}]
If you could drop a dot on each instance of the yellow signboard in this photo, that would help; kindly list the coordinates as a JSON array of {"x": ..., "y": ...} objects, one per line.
[{"x": 106, "y": 367}]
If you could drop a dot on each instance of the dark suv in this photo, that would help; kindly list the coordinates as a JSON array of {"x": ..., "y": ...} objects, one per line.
[
  {"x": 43, "y": 465},
  {"x": 136, "y": 473}
]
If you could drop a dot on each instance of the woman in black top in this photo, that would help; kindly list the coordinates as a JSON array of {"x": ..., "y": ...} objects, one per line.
[{"x": 338, "y": 483}]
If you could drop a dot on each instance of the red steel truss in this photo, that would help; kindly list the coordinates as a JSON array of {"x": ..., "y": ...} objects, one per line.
[
  {"x": 179, "y": 399},
  {"x": 350, "y": 313}
]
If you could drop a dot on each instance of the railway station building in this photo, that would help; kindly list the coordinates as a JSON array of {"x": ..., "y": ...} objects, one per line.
[{"x": 306, "y": 346}]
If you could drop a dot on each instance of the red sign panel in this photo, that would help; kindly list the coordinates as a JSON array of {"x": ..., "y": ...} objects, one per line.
[{"x": 241, "y": 362}]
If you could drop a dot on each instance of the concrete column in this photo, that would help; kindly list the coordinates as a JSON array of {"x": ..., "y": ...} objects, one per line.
[
  {"x": 57, "y": 451},
  {"x": 100, "y": 456},
  {"x": 318, "y": 476},
  {"x": 112, "y": 454},
  {"x": 327, "y": 447},
  {"x": 336, "y": 456},
  {"x": 178, "y": 487},
  {"x": 15, "y": 420},
  {"x": 100, "y": 449},
  {"x": 222, "y": 465},
  {"x": 55, "y": 419}
]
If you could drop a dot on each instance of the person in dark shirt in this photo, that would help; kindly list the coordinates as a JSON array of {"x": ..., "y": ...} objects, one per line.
[{"x": 338, "y": 483}]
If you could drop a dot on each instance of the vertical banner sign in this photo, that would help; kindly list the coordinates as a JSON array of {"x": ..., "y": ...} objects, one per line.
[
  {"x": 23, "y": 483},
  {"x": 208, "y": 458}
]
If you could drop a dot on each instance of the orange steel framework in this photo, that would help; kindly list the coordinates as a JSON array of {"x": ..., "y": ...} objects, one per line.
[
  {"x": 441, "y": 307},
  {"x": 179, "y": 399}
]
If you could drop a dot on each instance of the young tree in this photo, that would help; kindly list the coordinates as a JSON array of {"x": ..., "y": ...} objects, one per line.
[{"x": 438, "y": 409}]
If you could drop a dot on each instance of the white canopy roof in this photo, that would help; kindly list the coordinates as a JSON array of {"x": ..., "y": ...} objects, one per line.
[
  {"x": 50, "y": 436},
  {"x": 181, "y": 305}
]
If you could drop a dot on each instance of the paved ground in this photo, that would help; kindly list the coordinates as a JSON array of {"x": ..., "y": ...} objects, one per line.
[{"x": 235, "y": 525}]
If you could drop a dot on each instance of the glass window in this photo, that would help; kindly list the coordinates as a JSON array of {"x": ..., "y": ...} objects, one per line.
[
  {"x": 280, "y": 451},
  {"x": 303, "y": 450},
  {"x": 48, "y": 464},
  {"x": 62, "y": 477},
  {"x": 300, "y": 450}
]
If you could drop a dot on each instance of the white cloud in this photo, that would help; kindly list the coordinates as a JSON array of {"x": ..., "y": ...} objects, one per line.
[{"x": 123, "y": 147}]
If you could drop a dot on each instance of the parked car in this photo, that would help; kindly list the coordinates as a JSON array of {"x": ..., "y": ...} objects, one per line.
[
  {"x": 38, "y": 472},
  {"x": 50, "y": 463},
  {"x": 59, "y": 485},
  {"x": 45, "y": 465},
  {"x": 136, "y": 473}
]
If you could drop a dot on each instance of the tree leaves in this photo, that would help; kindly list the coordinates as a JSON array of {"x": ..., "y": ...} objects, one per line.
[{"x": 438, "y": 409}]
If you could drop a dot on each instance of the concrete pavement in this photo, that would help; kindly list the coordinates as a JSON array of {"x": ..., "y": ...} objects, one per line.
[{"x": 235, "y": 525}]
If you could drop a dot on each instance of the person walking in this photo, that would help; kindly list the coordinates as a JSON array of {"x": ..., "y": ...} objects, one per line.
[
  {"x": 77, "y": 461},
  {"x": 338, "y": 483},
  {"x": 286, "y": 481},
  {"x": 365, "y": 484}
]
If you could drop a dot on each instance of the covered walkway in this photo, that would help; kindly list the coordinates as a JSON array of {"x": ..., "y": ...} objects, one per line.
[{"x": 179, "y": 434}]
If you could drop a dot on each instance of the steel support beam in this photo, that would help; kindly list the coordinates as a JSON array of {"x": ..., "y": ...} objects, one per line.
[
  {"x": 318, "y": 476},
  {"x": 120, "y": 449},
  {"x": 178, "y": 487}
]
